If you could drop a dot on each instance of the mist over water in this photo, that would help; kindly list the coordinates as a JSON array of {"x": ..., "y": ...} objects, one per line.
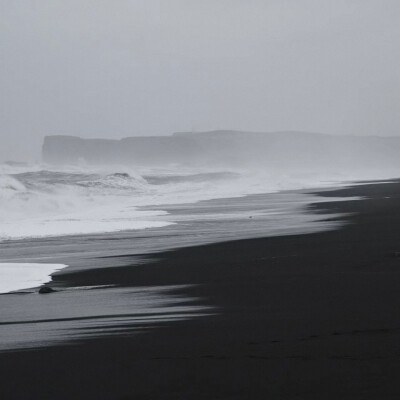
[{"x": 38, "y": 200}]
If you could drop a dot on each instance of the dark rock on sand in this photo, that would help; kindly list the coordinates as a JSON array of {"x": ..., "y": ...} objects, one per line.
[{"x": 46, "y": 290}]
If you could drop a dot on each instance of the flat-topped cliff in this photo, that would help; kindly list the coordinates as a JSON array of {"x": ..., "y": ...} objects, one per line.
[
  {"x": 133, "y": 150},
  {"x": 231, "y": 148}
]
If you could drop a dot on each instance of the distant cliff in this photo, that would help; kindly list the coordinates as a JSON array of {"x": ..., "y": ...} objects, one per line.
[
  {"x": 134, "y": 150},
  {"x": 231, "y": 148}
]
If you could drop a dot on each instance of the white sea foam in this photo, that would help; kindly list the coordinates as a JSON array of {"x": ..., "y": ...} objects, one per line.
[
  {"x": 17, "y": 276},
  {"x": 40, "y": 201}
]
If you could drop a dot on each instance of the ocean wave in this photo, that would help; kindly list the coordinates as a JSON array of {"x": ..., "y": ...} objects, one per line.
[
  {"x": 9, "y": 186},
  {"x": 36, "y": 202},
  {"x": 39, "y": 200}
]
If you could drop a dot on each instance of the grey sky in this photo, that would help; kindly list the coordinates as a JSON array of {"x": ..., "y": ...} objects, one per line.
[{"x": 102, "y": 68}]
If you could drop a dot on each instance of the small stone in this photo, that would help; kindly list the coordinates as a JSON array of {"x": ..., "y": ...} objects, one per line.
[{"x": 46, "y": 290}]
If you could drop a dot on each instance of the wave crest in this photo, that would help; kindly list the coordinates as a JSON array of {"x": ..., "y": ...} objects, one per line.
[{"x": 9, "y": 186}]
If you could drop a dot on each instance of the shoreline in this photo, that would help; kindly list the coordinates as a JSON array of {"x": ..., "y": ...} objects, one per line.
[
  {"x": 191, "y": 224},
  {"x": 298, "y": 316},
  {"x": 289, "y": 204}
]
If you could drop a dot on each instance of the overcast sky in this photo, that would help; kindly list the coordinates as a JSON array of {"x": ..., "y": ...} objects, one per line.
[{"x": 116, "y": 68}]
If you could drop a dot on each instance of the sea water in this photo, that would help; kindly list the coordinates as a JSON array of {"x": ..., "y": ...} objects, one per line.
[{"x": 41, "y": 201}]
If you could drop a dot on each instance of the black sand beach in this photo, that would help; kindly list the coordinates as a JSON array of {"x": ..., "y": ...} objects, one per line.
[{"x": 312, "y": 316}]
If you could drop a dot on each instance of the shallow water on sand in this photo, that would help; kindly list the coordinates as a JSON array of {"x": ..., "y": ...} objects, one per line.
[
  {"x": 71, "y": 314},
  {"x": 194, "y": 224},
  {"x": 33, "y": 320}
]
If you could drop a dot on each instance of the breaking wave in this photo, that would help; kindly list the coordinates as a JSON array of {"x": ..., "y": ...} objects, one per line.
[{"x": 37, "y": 201}]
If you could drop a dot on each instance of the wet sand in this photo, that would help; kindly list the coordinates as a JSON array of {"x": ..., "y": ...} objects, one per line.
[{"x": 311, "y": 316}]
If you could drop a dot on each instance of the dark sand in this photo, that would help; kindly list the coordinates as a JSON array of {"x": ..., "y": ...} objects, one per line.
[{"x": 311, "y": 316}]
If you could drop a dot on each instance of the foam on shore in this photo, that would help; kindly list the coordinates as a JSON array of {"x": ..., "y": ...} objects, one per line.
[
  {"x": 39, "y": 201},
  {"x": 18, "y": 276}
]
